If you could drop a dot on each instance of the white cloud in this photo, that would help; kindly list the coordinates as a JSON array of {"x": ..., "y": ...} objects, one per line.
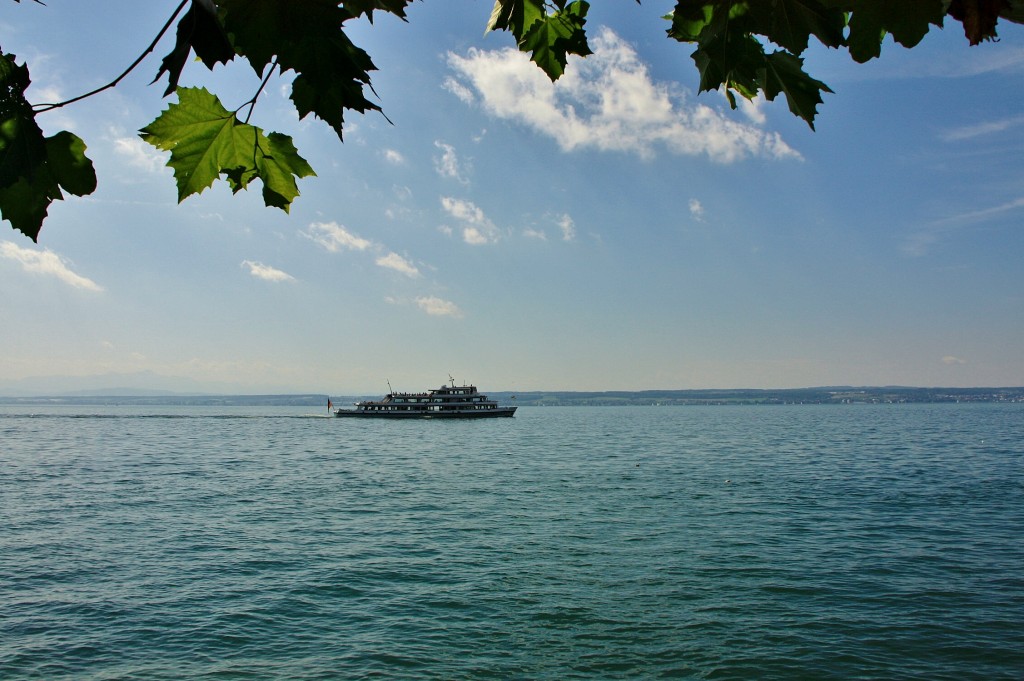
[
  {"x": 266, "y": 272},
  {"x": 568, "y": 227},
  {"x": 535, "y": 234},
  {"x": 696, "y": 210},
  {"x": 438, "y": 307},
  {"x": 459, "y": 90},
  {"x": 138, "y": 154},
  {"x": 973, "y": 63},
  {"x": 919, "y": 242},
  {"x": 977, "y": 215},
  {"x": 609, "y": 102},
  {"x": 47, "y": 263},
  {"x": 334, "y": 237},
  {"x": 394, "y": 157},
  {"x": 950, "y": 359},
  {"x": 474, "y": 237},
  {"x": 393, "y": 261},
  {"x": 477, "y": 229},
  {"x": 752, "y": 109},
  {"x": 448, "y": 164},
  {"x": 979, "y": 129}
]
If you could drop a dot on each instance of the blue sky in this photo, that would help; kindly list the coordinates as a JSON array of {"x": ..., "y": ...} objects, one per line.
[{"x": 613, "y": 231}]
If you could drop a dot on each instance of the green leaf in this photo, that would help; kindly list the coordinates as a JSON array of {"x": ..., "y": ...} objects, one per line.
[
  {"x": 65, "y": 156},
  {"x": 25, "y": 204},
  {"x": 304, "y": 36},
  {"x": 908, "y": 21},
  {"x": 357, "y": 8},
  {"x": 794, "y": 21},
  {"x": 690, "y": 20},
  {"x": 34, "y": 169},
  {"x": 729, "y": 54},
  {"x": 783, "y": 72},
  {"x": 515, "y": 16},
  {"x": 732, "y": 60},
  {"x": 21, "y": 141},
  {"x": 201, "y": 31},
  {"x": 207, "y": 141},
  {"x": 333, "y": 81},
  {"x": 278, "y": 169},
  {"x": 553, "y": 37}
]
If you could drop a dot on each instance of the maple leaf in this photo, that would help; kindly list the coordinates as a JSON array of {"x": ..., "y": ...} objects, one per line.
[
  {"x": 305, "y": 36},
  {"x": 979, "y": 17},
  {"x": 207, "y": 141},
  {"x": 907, "y": 21},
  {"x": 783, "y": 72},
  {"x": 690, "y": 20},
  {"x": 549, "y": 38},
  {"x": 515, "y": 16},
  {"x": 357, "y": 8},
  {"x": 553, "y": 37},
  {"x": 199, "y": 30},
  {"x": 34, "y": 169},
  {"x": 731, "y": 60},
  {"x": 794, "y": 21}
]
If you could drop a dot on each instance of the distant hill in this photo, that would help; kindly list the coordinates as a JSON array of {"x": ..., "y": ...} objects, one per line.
[
  {"x": 825, "y": 395},
  {"x": 172, "y": 399}
]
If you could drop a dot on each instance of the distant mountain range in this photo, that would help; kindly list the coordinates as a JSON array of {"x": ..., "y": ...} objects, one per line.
[
  {"x": 141, "y": 383},
  {"x": 824, "y": 395}
]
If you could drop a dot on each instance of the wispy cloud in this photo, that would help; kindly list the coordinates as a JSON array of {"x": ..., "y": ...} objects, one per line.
[
  {"x": 448, "y": 164},
  {"x": 697, "y": 210},
  {"x": 393, "y": 157},
  {"x": 979, "y": 129},
  {"x": 477, "y": 228},
  {"x": 607, "y": 101},
  {"x": 266, "y": 272},
  {"x": 920, "y": 241},
  {"x": 47, "y": 263},
  {"x": 459, "y": 90},
  {"x": 393, "y": 261},
  {"x": 438, "y": 307},
  {"x": 753, "y": 109},
  {"x": 568, "y": 227},
  {"x": 975, "y": 63},
  {"x": 951, "y": 360},
  {"x": 985, "y": 213},
  {"x": 137, "y": 154},
  {"x": 335, "y": 237}
]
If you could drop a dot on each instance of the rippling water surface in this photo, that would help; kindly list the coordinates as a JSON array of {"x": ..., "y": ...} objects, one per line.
[{"x": 819, "y": 542}]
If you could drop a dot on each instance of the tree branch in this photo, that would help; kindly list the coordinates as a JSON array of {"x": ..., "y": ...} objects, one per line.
[
  {"x": 252, "y": 102},
  {"x": 41, "y": 108}
]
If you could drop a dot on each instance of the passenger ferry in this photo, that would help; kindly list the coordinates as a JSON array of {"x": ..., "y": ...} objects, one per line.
[{"x": 446, "y": 402}]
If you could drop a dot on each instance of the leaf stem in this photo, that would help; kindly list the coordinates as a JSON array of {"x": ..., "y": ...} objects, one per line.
[
  {"x": 40, "y": 108},
  {"x": 252, "y": 102}
]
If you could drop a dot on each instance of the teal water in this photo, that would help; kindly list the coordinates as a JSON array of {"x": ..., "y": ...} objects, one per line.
[{"x": 802, "y": 542}]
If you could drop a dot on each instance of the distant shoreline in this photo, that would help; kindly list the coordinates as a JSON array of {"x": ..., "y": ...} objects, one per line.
[{"x": 825, "y": 395}]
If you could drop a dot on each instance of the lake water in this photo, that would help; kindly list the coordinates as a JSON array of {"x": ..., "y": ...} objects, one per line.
[{"x": 772, "y": 542}]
